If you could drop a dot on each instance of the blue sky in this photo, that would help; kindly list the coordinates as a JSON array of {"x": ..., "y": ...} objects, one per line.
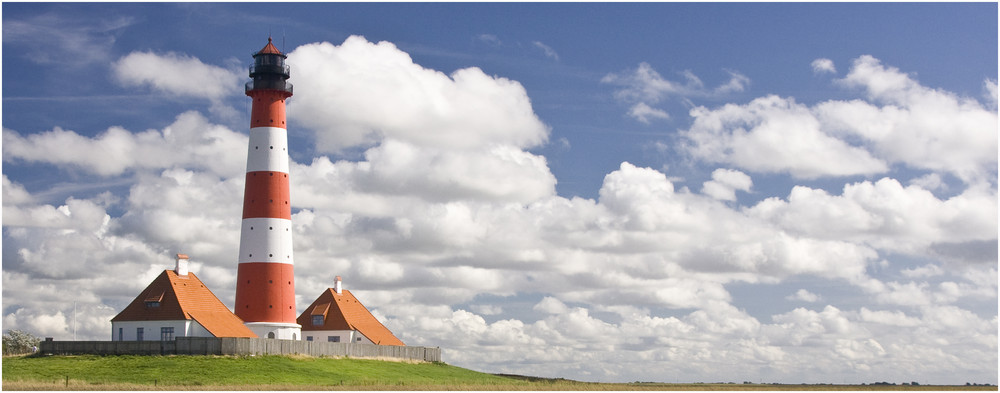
[{"x": 693, "y": 191}]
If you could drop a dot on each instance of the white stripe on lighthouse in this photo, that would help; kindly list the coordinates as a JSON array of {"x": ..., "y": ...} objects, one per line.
[
  {"x": 268, "y": 150},
  {"x": 266, "y": 240}
]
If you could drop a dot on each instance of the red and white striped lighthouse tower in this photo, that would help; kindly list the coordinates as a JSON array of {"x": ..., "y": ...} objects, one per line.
[{"x": 265, "y": 283}]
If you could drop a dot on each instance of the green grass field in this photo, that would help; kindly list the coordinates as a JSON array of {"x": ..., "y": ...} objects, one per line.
[{"x": 307, "y": 373}]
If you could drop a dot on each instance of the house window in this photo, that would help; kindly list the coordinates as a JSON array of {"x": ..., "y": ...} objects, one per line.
[
  {"x": 359, "y": 338},
  {"x": 152, "y": 304},
  {"x": 333, "y": 339},
  {"x": 138, "y": 334},
  {"x": 120, "y": 336},
  {"x": 309, "y": 338},
  {"x": 166, "y": 334},
  {"x": 317, "y": 320}
]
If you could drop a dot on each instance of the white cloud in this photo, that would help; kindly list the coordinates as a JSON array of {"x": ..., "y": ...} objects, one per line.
[
  {"x": 990, "y": 93},
  {"x": 52, "y": 38},
  {"x": 917, "y": 126},
  {"x": 885, "y": 215},
  {"x": 549, "y": 52},
  {"x": 724, "y": 184},
  {"x": 930, "y": 270},
  {"x": 930, "y": 181},
  {"x": 189, "y": 141},
  {"x": 644, "y": 113},
  {"x": 645, "y": 86},
  {"x": 177, "y": 74},
  {"x": 551, "y": 305},
  {"x": 379, "y": 92},
  {"x": 737, "y": 83},
  {"x": 489, "y": 38},
  {"x": 774, "y": 135},
  {"x": 822, "y": 66},
  {"x": 804, "y": 296}
]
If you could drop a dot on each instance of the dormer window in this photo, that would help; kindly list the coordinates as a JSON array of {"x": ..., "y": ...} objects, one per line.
[
  {"x": 153, "y": 301},
  {"x": 317, "y": 320}
]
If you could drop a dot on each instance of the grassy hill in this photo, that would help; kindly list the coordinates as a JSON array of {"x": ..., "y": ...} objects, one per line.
[
  {"x": 238, "y": 373},
  {"x": 303, "y": 373}
]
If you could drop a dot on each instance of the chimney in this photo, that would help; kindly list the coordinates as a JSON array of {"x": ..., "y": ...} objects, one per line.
[
  {"x": 182, "y": 265},
  {"x": 336, "y": 285}
]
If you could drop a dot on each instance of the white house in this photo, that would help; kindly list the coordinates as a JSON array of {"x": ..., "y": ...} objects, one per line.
[
  {"x": 338, "y": 316},
  {"x": 176, "y": 304}
]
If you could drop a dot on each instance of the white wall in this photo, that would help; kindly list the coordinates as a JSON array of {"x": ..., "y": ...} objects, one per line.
[
  {"x": 151, "y": 329},
  {"x": 282, "y": 331},
  {"x": 346, "y": 336}
]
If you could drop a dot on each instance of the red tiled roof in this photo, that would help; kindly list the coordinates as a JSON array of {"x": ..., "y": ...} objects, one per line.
[
  {"x": 184, "y": 298},
  {"x": 269, "y": 49},
  {"x": 345, "y": 312}
]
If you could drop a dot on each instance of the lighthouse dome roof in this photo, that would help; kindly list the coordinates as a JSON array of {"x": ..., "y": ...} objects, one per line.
[{"x": 270, "y": 49}]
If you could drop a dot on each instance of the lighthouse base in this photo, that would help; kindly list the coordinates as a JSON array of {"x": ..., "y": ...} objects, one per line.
[{"x": 276, "y": 330}]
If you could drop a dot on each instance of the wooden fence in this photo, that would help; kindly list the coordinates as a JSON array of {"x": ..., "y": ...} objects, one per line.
[{"x": 240, "y": 346}]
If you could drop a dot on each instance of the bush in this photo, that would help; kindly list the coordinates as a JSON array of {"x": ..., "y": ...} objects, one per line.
[{"x": 17, "y": 342}]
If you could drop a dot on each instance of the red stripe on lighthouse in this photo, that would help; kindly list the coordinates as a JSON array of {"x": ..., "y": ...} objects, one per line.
[
  {"x": 267, "y": 196},
  {"x": 268, "y": 108},
  {"x": 274, "y": 282}
]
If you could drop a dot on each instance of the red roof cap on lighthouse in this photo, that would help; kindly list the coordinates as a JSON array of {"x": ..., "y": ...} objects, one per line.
[{"x": 270, "y": 49}]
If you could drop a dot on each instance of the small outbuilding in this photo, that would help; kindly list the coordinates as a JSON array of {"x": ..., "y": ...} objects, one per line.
[
  {"x": 338, "y": 316},
  {"x": 176, "y": 304}
]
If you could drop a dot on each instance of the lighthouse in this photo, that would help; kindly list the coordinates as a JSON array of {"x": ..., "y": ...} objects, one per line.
[{"x": 265, "y": 282}]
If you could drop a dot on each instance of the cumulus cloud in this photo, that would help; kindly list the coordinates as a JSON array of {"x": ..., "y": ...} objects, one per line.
[
  {"x": 904, "y": 122},
  {"x": 823, "y": 66},
  {"x": 177, "y": 74},
  {"x": 774, "y": 135},
  {"x": 379, "y": 92},
  {"x": 990, "y": 93},
  {"x": 885, "y": 215},
  {"x": 803, "y": 295},
  {"x": 189, "y": 141},
  {"x": 915, "y": 125},
  {"x": 725, "y": 183}
]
